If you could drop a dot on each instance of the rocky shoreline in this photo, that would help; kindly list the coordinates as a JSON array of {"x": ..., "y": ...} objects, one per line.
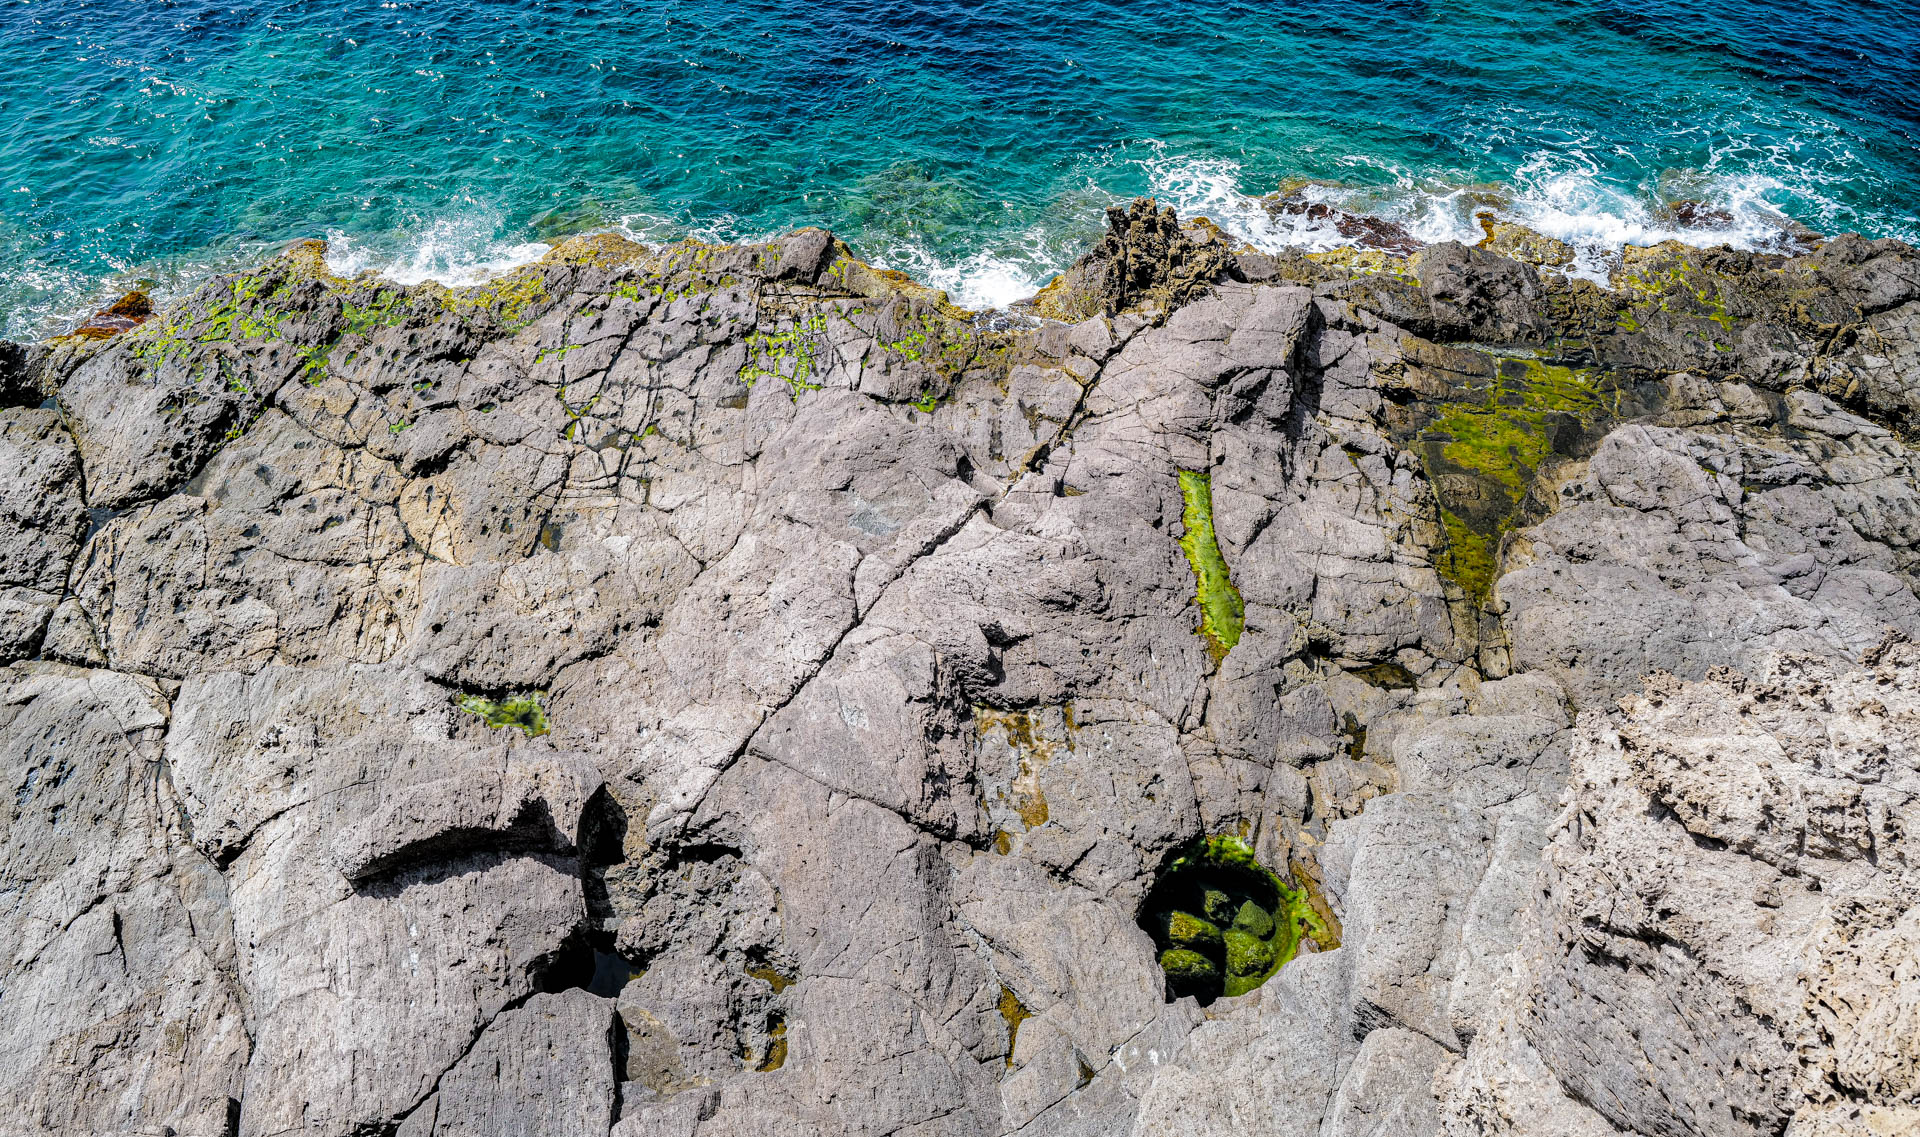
[{"x": 730, "y": 690}]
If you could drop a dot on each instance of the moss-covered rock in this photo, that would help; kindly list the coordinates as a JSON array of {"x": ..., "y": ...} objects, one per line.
[
  {"x": 1223, "y": 614},
  {"x": 1254, "y": 920},
  {"x": 1189, "y": 968},
  {"x": 1484, "y": 444},
  {"x": 1190, "y": 931},
  {"x": 523, "y": 711},
  {"x": 1248, "y": 955}
]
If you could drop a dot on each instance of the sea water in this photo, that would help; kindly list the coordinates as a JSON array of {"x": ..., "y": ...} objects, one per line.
[{"x": 972, "y": 144}]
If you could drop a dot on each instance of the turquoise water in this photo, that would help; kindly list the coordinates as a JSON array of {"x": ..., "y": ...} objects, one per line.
[{"x": 973, "y": 144}]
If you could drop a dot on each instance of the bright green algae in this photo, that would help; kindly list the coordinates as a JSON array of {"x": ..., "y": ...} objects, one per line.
[
  {"x": 523, "y": 711},
  {"x": 1223, "y": 614},
  {"x": 1483, "y": 451}
]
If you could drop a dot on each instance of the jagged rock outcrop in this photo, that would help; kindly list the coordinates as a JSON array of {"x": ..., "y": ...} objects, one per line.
[
  {"x": 1726, "y": 940},
  {"x": 728, "y": 690}
]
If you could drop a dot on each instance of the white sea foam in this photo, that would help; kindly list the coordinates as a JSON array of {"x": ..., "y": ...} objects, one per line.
[
  {"x": 983, "y": 281},
  {"x": 1561, "y": 194},
  {"x": 39, "y": 299},
  {"x": 657, "y": 229},
  {"x": 458, "y": 249},
  {"x": 987, "y": 280}
]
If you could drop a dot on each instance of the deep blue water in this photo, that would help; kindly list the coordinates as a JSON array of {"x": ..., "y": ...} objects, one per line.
[{"x": 973, "y": 144}]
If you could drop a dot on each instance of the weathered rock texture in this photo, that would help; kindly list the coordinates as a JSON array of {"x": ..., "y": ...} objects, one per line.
[{"x": 728, "y": 691}]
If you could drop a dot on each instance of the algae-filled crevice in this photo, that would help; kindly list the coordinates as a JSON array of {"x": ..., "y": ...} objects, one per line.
[
  {"x": 1483, "y": 450},
  {"x": 523, "y": 710},
  {"x": 1223, "y": 923},
  {"x": 1223, "y": 615}
]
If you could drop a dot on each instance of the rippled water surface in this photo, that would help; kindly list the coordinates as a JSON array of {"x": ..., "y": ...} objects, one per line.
[{"x": 973, "y": 144}]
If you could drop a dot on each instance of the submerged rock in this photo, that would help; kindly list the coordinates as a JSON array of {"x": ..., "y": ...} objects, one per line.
[{"x": 730, "y": 690}]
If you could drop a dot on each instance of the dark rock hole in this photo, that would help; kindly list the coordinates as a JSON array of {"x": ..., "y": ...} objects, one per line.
[{"x": 1221, "y": 927}]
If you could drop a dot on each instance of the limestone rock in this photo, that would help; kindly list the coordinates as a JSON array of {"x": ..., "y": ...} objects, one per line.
[
  {"x": 708, "y": 691},
  {"x": 42, "y": 520},
  {"x": 545, "y": 1067},
  {"x": 1745, "y": 864},
  {"x": 125, "y": 1007}
]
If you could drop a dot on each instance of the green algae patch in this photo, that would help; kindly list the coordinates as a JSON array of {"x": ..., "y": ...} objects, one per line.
[
  {"x": 1224, "y": 923},
  {"x": 523, "y": 711},
  {"x": 789, "y": 355},
  {"x": 772, "y": 977},
  {"x": 1483, "y": 451},
  {"x": 1223, "y": 614},
  {"x": 1666, "y": 278}
]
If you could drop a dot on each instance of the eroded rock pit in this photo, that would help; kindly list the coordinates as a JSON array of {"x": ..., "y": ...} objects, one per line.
[{"x": 1222, "y": 922}]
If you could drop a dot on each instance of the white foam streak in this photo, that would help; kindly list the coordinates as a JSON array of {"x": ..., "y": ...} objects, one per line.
[{"x": 983, "y": 281}]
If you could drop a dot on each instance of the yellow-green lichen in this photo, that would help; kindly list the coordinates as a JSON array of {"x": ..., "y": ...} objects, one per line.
[
  {"x": 557, "y": 352},
  {"x": 510, "y": 297},
  {"x": 1223, "y": 614},
  {"x": 575, "y": 413},
  {"x": 909, "y": 346},
  {"x": 1014, "y": 1012},
  {"x": 237, "y": 317},
  {"x": 313, "y": 363},
  {"x": 381, "y": 310},
  {"x": 522, "y": 710},
  {"x": 1679, "y": 286}
]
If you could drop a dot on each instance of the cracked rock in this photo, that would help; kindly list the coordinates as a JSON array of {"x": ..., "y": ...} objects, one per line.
[{"x": 719, "y": 691}]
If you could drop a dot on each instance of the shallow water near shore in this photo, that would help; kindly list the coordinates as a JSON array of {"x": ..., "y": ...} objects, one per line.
[{"x": 973, "y": 145}]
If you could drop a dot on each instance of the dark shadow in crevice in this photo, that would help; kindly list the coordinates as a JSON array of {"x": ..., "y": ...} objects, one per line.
[
  {"x": 1309, "y": 377},
  {"x": 603, "y": 842},
  {"x": 19, "y": 381},
  {"x": 618, "y": 1044},
  {"x": 533, "y": 830},
  {"x": 587, "y": 959}
]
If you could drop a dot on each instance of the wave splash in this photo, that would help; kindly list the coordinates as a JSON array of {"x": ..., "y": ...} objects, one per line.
[
  {"x": 1563, "y": 194},
  {"x": 460, "y": 248}
]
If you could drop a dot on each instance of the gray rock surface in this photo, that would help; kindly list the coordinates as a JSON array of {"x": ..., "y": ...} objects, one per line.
[{"x": 710, "y": 691}]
